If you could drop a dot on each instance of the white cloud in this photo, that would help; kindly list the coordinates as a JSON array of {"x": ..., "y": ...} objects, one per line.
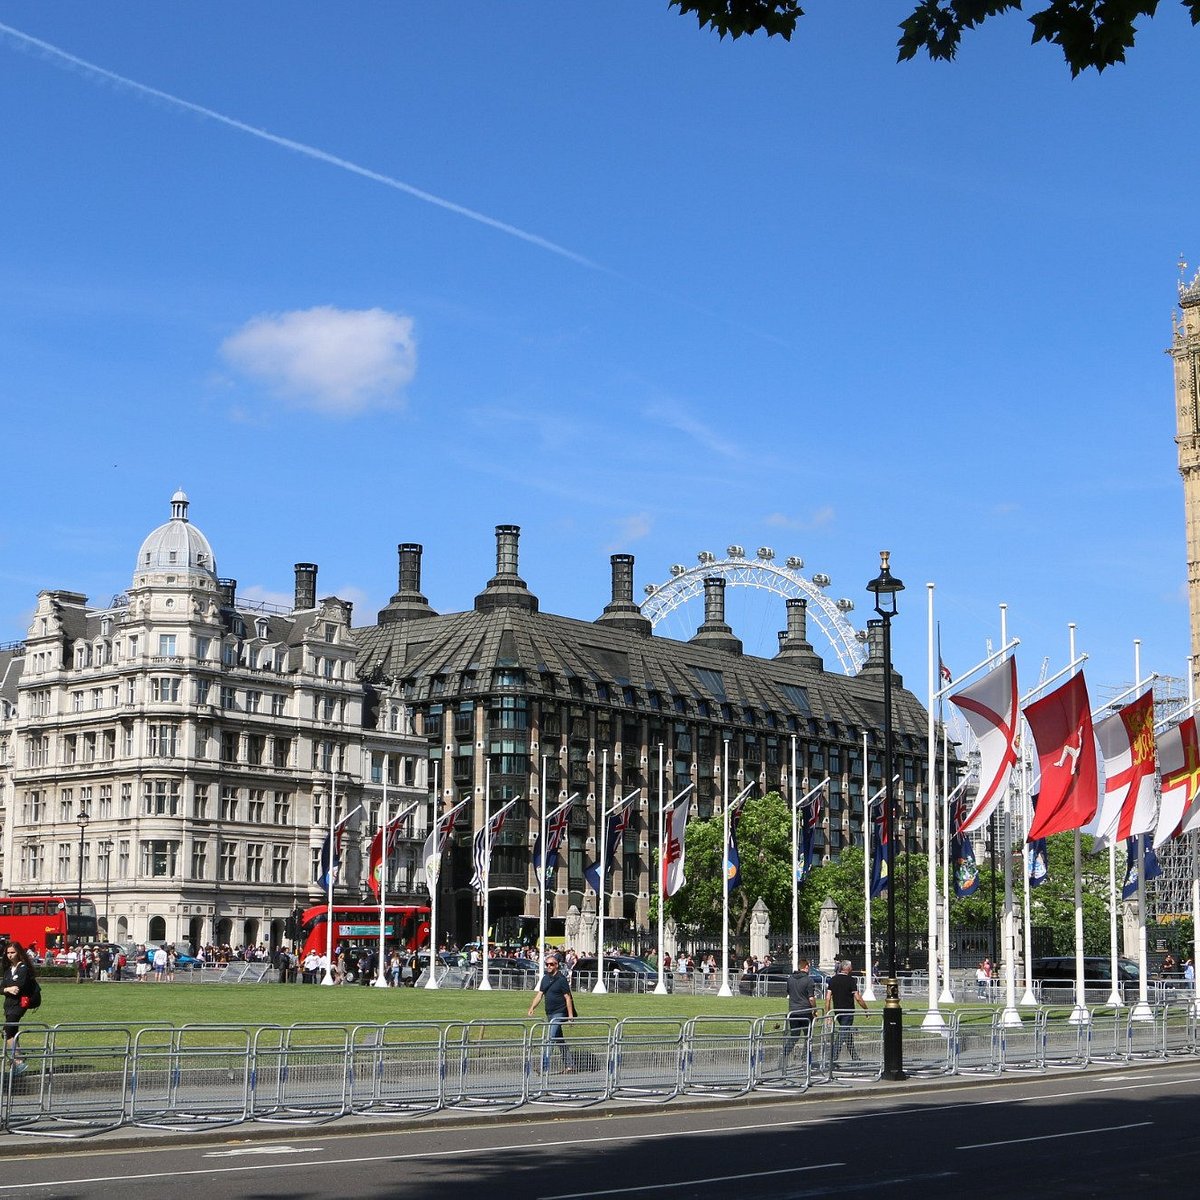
[
  {"x": 331, "y": 360},
  {"x": 819, "y": 518},
  {"x": 675, "y": 416},
  {"x": 259, "y": 594},
  {"x": 630, "y": 529}
]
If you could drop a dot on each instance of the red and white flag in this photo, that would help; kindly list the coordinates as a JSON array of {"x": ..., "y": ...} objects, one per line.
[
  {"x": 1179, "y": 762},
  {"x": 379, "y": 854},
  {"x": 1127, "y": 746},
  {"x": 673, "y": 877},
  {"x": 1066, "y": 744},
  {"x": 990, "y": 707}
]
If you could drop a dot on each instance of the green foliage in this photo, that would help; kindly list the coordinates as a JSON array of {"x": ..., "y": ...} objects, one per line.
[
  {"x": 764, "y": 847},
  {"x": 1090, "y": 33}
]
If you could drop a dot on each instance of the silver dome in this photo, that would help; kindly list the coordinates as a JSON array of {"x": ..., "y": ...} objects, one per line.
[{"x": 177, "y": 546}]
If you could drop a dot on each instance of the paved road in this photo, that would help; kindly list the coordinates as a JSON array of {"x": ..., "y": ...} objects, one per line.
[{"x": 1064, "y": 1135}]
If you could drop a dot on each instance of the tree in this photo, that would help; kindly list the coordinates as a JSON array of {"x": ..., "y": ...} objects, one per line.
[
  {"x": 764, "y": 847},
  {"x": 1091, "y": 33}
]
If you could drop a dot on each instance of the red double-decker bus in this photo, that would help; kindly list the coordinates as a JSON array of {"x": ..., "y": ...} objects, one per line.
[
  {"x": 47, "y": 922},
  {"x": 404, "y": 925}
]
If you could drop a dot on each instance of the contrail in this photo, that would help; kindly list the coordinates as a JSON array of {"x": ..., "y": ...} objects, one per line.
[{"x": 399, "y": 185}]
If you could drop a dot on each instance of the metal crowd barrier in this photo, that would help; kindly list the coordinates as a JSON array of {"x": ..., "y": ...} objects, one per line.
[{"x": 79, "y": 1080}]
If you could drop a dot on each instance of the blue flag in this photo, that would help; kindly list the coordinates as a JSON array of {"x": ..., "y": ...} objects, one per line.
[
  {"x": 812, "y": 819},
  {"x": 733, "y": 860},
  {"x": 962, "y": 855},
  {"x": 1149, "y": 860},
  {"x": 618, "y": 822},
  {"x": 881, "y": 853}
]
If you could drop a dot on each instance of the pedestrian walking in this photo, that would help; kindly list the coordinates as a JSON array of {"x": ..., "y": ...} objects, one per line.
[
  {"x": 842, "y": 996},
  {"x": 802, "y": 1007},
  {"x": 560, "y": 1008},
  {"x": 21, "y": 993}
]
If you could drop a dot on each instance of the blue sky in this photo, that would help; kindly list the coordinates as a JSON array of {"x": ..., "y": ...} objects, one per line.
[{"x": 662, "y": 294}]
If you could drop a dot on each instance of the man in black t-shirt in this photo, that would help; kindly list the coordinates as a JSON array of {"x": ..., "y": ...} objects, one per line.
[
  {"x": 840, "y": 999},
  {"x": 560, "y": 1007},
  {"x": 802, "y": 1006}
]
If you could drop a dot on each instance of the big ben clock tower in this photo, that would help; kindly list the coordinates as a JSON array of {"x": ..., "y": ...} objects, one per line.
[{"x": 1185, "y": 350}]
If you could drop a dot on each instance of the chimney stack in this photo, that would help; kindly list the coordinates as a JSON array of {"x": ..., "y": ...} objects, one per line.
[
  {"x": 227, "y": 590},
  {"x": 621, "y": 610},
  {"x": 407, "y": 603},
  {"x": 506, "y": 589},
  {"x": 794, "y": 645},
  {"x": 306, "y": 587},
  {"x": 715, "y": 632}
]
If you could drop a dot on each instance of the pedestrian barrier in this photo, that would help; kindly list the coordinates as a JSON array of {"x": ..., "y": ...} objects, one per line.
[
  {"x": 193, "y": 1077},
  {"x": 718, "y": 1056},
  {"x": 75, "y": 1081},
  {"x": 301, "y": 1074},
  {"x": 574, "y": 1072},
  {"x": 1065, "y": 1041},
  {"x": 80, "y": 1080},
  {"x": 1020, "y": 1046},
  {"x": 648, "y": 1058},
  {"x": 928, "y": 1051},
  {"x": 782, "y": 1056},
  {"x": 397, "y": 1068},
  {"x": 486, "y": 1064}
]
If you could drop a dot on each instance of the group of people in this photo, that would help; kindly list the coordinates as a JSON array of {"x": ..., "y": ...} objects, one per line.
[{"x": 842, "y": 996}]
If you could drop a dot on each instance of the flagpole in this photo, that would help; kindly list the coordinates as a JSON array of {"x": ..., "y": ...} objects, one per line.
[
  {"x": 868, "y": 992},
  {"x": 660, "y": 988},
  {"x": 1141, "y": 1010},
  {"x": 381, "y": 974},
  {"x": 602, "y": 836},
  {"x": 724, "y": 989},
  {"x": 1079, "y": 1014},
  {"x": 792, "y": 778},
  {"x": 432, "y": 983},
  {"x": 933, "y": 1018},
  {"x": 1028, "y": 999},
  {"x": 947, "y": 996},
  {"x": 542, "y": 877},
  {"x": 327, "y": 978},
  {"x": 1010, "y": 1015},
  {"x": 485, "y": 984}
]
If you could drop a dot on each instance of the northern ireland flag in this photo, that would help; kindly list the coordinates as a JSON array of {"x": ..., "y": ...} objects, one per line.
[
  {"x": 990, "y": 707},
  {"x": 1062, "y": 730}
]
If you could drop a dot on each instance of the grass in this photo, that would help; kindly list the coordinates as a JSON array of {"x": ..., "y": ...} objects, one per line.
[{"x": 137, "y": 1004}]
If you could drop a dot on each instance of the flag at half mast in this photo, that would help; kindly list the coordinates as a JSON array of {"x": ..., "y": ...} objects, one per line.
[
  {"x": 990, "y": 707},
  {"x": 557, "y": 823},
  {"x": 674, "y": 851},
  {"x": 381, "y": 853},
  {"x": 485, "y": 840},
  {"x": 1179, "y": 762},
  {"x": 435, "y": 843}
]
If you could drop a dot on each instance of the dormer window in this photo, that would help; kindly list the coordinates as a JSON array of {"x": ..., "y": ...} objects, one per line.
[
  {"x": 172, "y": 556},
  {"x": 261, "y": 627}
]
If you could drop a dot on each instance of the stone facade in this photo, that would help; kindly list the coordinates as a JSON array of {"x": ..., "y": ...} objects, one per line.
[
  {"x": 1185, "y": 351},
  {"x": 198, "y": 735}
]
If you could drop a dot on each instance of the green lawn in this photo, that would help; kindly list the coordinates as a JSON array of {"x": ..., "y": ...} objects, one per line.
[{"x": 135, "y": 1004}]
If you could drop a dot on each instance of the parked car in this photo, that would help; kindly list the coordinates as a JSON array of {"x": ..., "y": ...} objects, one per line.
[
  {"x": 1056, "y": 974},
  {"x": 622, "y": 973},
  {"x": 772, "y": 981},
  {"x": 513, "y": 972}
]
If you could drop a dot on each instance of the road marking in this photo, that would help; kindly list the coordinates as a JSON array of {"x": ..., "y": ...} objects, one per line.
[
  {"x": 657, "y": 1187},
  {"x": 1050, "y": 1137},
  {"x": 264, "y": 1150}
]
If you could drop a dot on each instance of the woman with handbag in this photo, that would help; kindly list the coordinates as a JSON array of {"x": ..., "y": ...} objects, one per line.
[{"x": 20, "y": 990}]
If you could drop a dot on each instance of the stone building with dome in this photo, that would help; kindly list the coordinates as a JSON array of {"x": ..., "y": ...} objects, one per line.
[{"x": 172, "y": 752}]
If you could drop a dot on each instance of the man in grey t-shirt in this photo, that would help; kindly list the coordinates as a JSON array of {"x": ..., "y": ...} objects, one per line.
[{"x": 802, "y": 1005}]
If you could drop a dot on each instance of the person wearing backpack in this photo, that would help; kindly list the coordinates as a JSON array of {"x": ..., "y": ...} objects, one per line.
[{"x": 21, "y": 993}]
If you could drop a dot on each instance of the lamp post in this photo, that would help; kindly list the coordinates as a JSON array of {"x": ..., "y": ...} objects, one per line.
[
  {"x": 885, "y": 589},
  {"x": 106, "y": 847},
  {"x": 82, "y": 822}
]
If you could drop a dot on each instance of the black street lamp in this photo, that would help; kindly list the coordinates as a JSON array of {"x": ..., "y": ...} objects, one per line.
[
  {"x": 82, "y": 822},
  {"x": 106, "y": 848},
  {"x": 885, "y": 588}
]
